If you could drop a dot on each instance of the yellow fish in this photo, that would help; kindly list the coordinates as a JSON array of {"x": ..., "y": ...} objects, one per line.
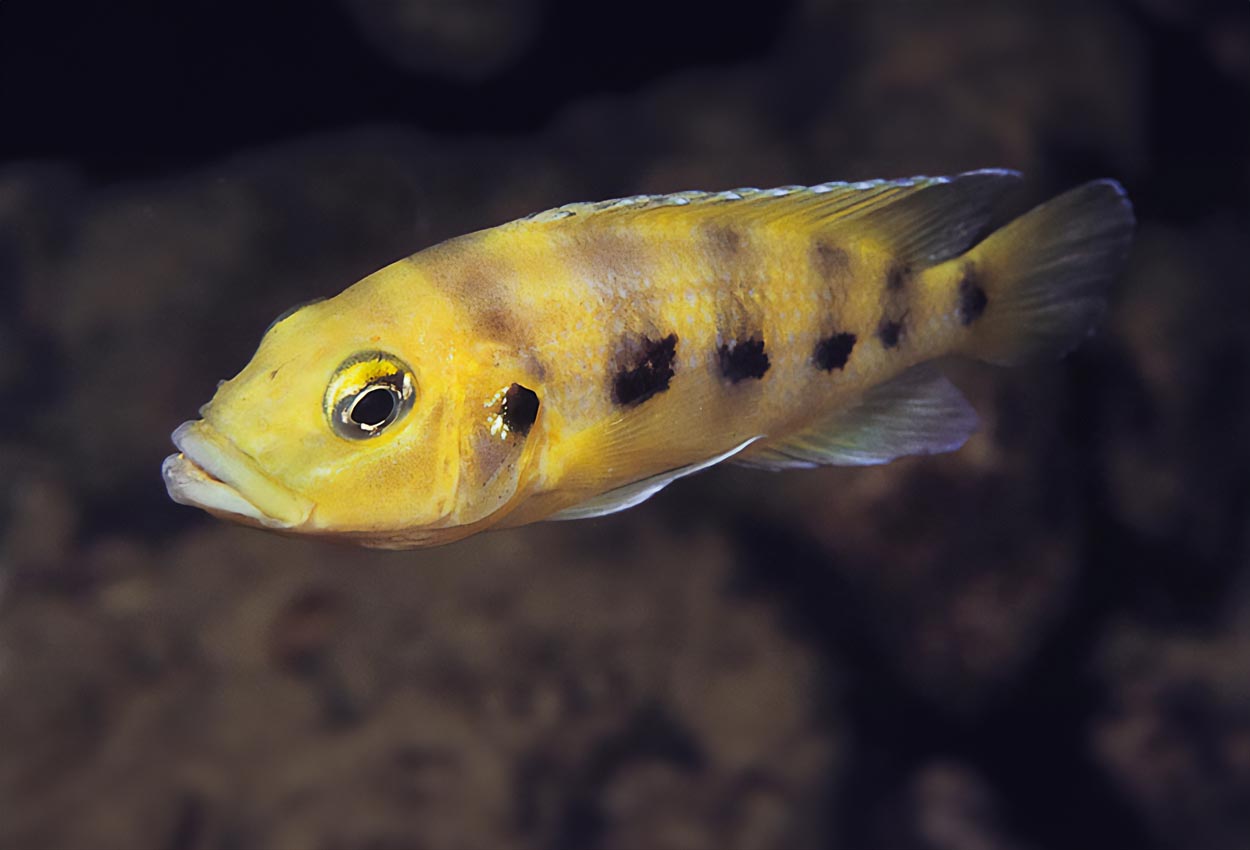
[{"x": 573, "y": 363}]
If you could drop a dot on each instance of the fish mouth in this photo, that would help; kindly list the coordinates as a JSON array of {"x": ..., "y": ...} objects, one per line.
[{"x": 212, "y": 473}]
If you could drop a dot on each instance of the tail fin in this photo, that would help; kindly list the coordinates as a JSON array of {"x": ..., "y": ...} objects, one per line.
[{"x": 1041, "y": 280}]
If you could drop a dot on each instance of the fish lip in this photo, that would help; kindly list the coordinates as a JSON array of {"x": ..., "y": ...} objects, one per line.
[{"x": 212, "y": 473}]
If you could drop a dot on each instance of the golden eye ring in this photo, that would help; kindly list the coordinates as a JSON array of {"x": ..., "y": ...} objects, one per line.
[{"x": 368, "y": 393}]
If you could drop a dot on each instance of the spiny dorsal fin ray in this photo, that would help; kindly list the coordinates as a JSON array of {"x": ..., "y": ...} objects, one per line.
[
  {"x": 830, "y": 198},
  {"x": 940, "y": 221},
  {"x": 918, "y": 412},
  {"x": 925, "y": 219}
]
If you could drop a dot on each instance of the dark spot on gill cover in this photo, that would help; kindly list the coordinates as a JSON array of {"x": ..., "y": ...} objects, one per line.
[
  {"x": 833, "y": 351},
  {"x": 520, "y": 409},
  {"x": 829, "y": 260},
  {"x": 742, "y": 360},
  {"x": 890, "y": 332},
  {"x": 650, "y": 373},
  {"x": 972, "y": 297}
]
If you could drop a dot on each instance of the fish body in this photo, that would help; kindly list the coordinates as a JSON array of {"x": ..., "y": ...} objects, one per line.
[{"x": 575, "y": 362}]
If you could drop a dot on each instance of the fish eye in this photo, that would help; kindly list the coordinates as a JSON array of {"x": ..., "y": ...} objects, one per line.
[
  {"x": 368, "y": 393},
  {"x": 374, "y": 407}
]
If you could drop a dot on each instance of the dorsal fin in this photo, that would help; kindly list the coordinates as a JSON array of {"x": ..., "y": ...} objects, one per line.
[
  {"x": 939, "y": 221},
  {"x": 823, "y": 199},
  {"x": 926, "y": 218}
]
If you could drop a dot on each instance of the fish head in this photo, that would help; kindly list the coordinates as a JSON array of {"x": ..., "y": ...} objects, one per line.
[{"x": 352, "y": 420}]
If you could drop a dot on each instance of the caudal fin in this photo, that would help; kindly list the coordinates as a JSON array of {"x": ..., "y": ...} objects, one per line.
[{"x": 1038, "y": 285}]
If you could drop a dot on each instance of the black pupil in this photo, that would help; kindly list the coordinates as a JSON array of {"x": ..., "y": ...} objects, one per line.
[{"x": 374, "y": 407}]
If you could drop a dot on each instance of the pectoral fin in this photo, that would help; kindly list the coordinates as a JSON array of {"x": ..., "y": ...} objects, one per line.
[{"x": 639, "y": 491}]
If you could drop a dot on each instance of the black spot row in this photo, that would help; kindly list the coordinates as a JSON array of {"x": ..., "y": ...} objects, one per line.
[
  {"x": 972, "y": 298},
  {"x": 650, "y": 373},
  {"x": 742, "y": 360},
  {"x": 652, "y": 370},
  {"x": 833, "y": 351},
  {"x": 897, "y": 277},
  {"x": 890, "y": 332},
  {"x": 830, "y": 260}
]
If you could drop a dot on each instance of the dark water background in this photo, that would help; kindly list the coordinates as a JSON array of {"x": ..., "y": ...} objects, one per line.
[{"x": 1042, "y": 641}]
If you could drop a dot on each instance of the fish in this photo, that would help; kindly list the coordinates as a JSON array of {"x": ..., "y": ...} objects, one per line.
[{"x": 575, "y": 362}]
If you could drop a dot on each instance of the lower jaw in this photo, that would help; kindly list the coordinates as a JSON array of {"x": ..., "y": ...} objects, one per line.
[
  {"x": 213, "y": 474},
  {"x": 188, "y": 484}
]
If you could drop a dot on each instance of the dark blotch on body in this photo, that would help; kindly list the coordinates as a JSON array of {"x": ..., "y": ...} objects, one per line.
[
  {"x": 601, "y": 251},
  {"x": 725, "y": 242},
  {"x": 742, "y": 360},
  {"x": 520, "y": 409},
  {"x": 829, "y": 259},
  {"x": 890, "y": 332},
  {"x": 834, "y": 351},
  {"x": 650, "y": 373},
  {"x": 972, "y": 298},
  {"x": 481, "y": 293},
  {"x": 896, "y": 278},
  {"x": 496, "y": 324}
]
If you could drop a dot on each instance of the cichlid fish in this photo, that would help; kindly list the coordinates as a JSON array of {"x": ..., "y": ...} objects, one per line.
[{"x": 575, "y": 362}]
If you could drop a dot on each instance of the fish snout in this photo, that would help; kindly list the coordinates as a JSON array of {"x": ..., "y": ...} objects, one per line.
[{"x": 212, "y": 473}]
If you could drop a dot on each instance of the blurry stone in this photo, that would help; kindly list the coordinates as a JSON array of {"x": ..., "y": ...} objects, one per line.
[
  {"x": 55, "y": 679},
  {"x": 517, "y": 678},
  {"x": 1223, "y": 25},
  {"x": 467, "y": 39},
  {"x": 38, "y": 203},
  {"x": 304, "y": 630},
  {"x": 1175, "y": 733},
  {"x": 1229, "y": 42},
  {"x": 697, "y": 131},
  {"x": 652, "y": 804},
  {"x": 1180, "y": 409},
  {"x": 956, "y": 811},
  {"x": 657, "y": 805},
  {"x": 981, "y": 84},
  {"x": 955, "y": 568},
  {"x": 952, "y": 808},
  {"x": 39, "y": 517},
  {"x": 139, "y": 299}
]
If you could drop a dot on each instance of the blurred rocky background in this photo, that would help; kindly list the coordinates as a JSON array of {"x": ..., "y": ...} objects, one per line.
[{"x": 1042, "y": 641}]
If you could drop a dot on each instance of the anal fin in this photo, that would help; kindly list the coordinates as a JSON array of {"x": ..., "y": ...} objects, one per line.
[{"x": 918, "y": 412}]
